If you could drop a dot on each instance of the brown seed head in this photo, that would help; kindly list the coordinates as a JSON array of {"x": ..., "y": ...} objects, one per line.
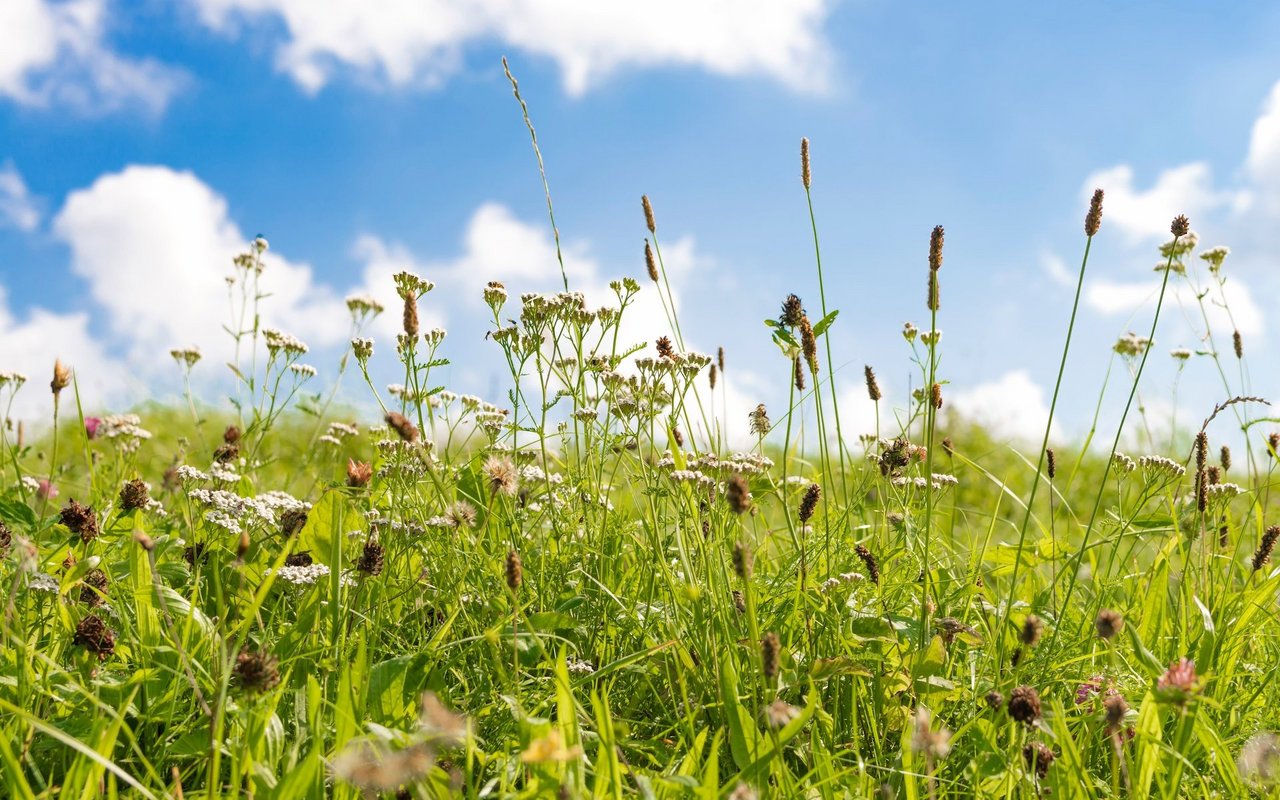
[
  {"x": 1038, "y": 757},
  {"x": 226, "y": 452},
  {"x": 739, "y": 601},
  {"x": 133, "y": 495},
  {"x": 194, "y": 554},
  {"x": 1273, "y": 445},
  {"x": 665, "y": 350},
  {"x": 292, "y": 521},
  {"x": 809, "y": 503},
  {"x": 648, "y": 214},
  {"x": 770, "y": 648},
  {"x": 935, "y": 396},
  {"x": 371, "y": 559},
  {"x": 650, "y": 263},
  {"x": 1024, "y": 705},
  {"x": 1213, "y": 475},
  {"x": 514, "y": 570},
  {"x": 743, "y": 561},
  {"x": 1051, "y": 463},
  {"x": 1238, "y": 344},
  {"x": 759, "y": 420},
  {"x": 792, "y": 311},
  {"x": 1093, "y": 220},
  {"x": 873, "y": 568},
  {"x": 738, "y": 494},
  {"x": 1224, "y": 457},
  {"x": 720, "y": 358},
  {"x": 93, "y": 635},
  {"x": 935, "y": 249},
  {"x": 1114, "y": 709},
  {"x": 1202, "y": 491},
  {"x": 809, "y": 344},
  {"x": 1268, "y": 543},
  {"x": 242, "y": 546},
  {"x": 80, "y": 519},
  {"x": 1202, "y": 450},
  {"x": 994, "y": 699},
  {"x": 1180, "y": 225},
  {"x": 6, "y": 539},
  {"x": 411, "y": 315},
  {"x": 502, "y": 475},
  {"x": 94, "y": 588},
  {"x": 711, "y": 375},
  {"x": 805, "y": 175},
  {"x": 61, "y": 377},
  {"x": 359, "y": 473},
  {"x": 873, "y": 386},
  {"x": 1108, "y": 624},
  {"x": 402, "y": 426},
  {"x": 256, "y": 673},
  {"x": 302, "y": 558},
  {"x": 797, "y": 373},
  {"x": 1032, "y": 628},
  {"x": 231, "y": 435}
]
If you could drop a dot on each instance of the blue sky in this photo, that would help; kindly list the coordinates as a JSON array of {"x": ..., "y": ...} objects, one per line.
[{"x": 137, "y": 139}]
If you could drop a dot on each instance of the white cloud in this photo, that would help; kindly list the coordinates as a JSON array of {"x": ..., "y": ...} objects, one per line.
[
  {"x": 1114, "y": 298},
  {"x": 422, "y": 41},
  {"x": 1057, "y": 270},
  {"x": 17, "y": 206},
  {"x": 54, "y": 54},
  {"x": 1263, "y": 162},
  {"x": 1013, "y": 406},
  {"x": 1144, "y": 214},
  {"x": 155, "y": 246}
]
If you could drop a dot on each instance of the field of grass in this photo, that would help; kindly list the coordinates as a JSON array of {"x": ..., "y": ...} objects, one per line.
[{"x": 578, "y": 590}]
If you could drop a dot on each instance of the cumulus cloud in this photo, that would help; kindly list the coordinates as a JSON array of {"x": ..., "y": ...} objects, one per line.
[
  {"x": 1144, "y": 214},
  {"x": 1232, "y": 309},
  {"x": 422, "y": 41},
  {"x": 17, "y": 206},
  {"x": 1013, "y": 406},
  {"x": 1263, "y": 161},
  {"x": 54, "y": 54}
]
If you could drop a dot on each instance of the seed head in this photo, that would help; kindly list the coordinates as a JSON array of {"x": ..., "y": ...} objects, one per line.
[
  {"x": 994, "y": 699},
  {"x": 770, "y": 648},
  {"x": 242, "y": 546},
  {"x": 665, "y": 350},
  {"x": 401, "y": 425},
  {"x": 759, "y": 420},
  {"x": 292, "y": 521},
  {"x": 1202, "y": 450},
  {"x": 1180, "y": 225},
  {"x": 720, "y": 358},
  {"x": 650, "y": 262},
  {"x": 935, "y": 249},
  {"x": 1108, "y": 623},
  {"x": 6, "y": 539},
  {"x": 1038, "y": 757},
  {"x": 461, "y": 515},
  {"x": 93, "y": 635},
  {"x": 1093, "y": 220},
  {"x": 711, "y": 376},
  {"x": 256, "y": 673},
  {"x": 873, "y": 568},
  {"x": 743, "y": 561},
  {"x": 1238, "y": 344},
  {"x": 134, "y": 495},
  {"x": 1273, "y": 445},
  {"x": 411, "y": 316},
  {"x": 1213, "y": 475},
  {"x": 80, "y": 519},
  {"x": 809, "y": 344},
  {"x": 301, "y": 558},
  {"x": 797, "y": 371},
  {"x": 1268, "y": 543},
  {"x": 935, "y": 396},
  {"x": 61, "y": 377},
  {"x": 792, "y": 311},
  {"x": 94, "y": 588},
  {"x": 514, "y": 570},
  {"x": 1051, "y": 463},
  {"x": 231, "y": 435},
  {"x": 1224, "y": 457},
  {"x": 1024, "y": 705},
  {"x": 738, "y": 494},
  {"x": 371, "y": 559},
  {"x": 739, "y": 601},
  {"x": 359, "y": 473},
  {"x": 648, "y": 214},
  {"x": 1032, "y": 628},
  {"x": 873, "y": 386},
  {"x": 502, "y": 476},
  {"x": 1114, "y": 708},
  {"x": 809, "y": 503},
  {"x": 226, "y": 452},
  {"x": 805, "y": 175}
]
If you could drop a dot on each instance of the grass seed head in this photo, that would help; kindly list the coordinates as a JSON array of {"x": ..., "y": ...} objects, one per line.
[
  {"x": 649, "y": 221},
  {"x": 873, "y": 386},
  {"x": 935, "y": 396},
  {"x": 1108, "y": 623},
  {"x": 1032, "y": 629},
  {"x": 743, "y": 561},
  {"x": 665, "y": 350},
  {"x": 1024, "y": 705},
  {"x": 134, "y": 495},
  {"x": 1093, "y": 220},
  {"x": 797, "y": 373},
  {"x": 711, "y": 376},
  {"x": 1051, "y": 463},
  {"x": 935, "y": 248},
  {"x": 770, "y": 649},
  {"x": 1263, "y": 554},
  {"x": 792, "y": 311},
  {"x": 1237, "y": 344},
  {"x": 809, "y": 344},
  {"x": 402, "y": 426},
  {"x": 931, "y": 301},
  {"x": 720, "y": 358},
  {"x": 514, "y": 570},
  {"x": 806, "y": 175},
  {"x": 1224, "y": 458},
  {"x": 809, "y": 503},
  {"x": 738, "y": 494},
  {"x": 411, "y": 316},
  {"x": 650, "y": 262},
  {"x": 869, "y": 560}
]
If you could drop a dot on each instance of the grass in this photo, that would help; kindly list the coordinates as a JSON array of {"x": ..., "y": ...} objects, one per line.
[{"x": 582, "y": 591}]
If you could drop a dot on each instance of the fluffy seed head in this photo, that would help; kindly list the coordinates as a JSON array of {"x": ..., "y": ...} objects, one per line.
[
  {"x": 134, "y": 495},
  {"x": 935, "y": 248},
  {"x": 402, "y": 426},
  {"x": 1114, "y": 708},
  {"x": 501, "y": 474},
  {"x": 256, "y": 673},
  {"x": 770, "y": 647},
  {"x": 806, "y": 176},
  {"x": 514, "y": 570},
  {"x": 650, "y": 263},
  {"x": 759, "y": 420},
  {"x": 873, "y": 386},
  {"x": 1093, "y": 220},
  {"x": 359, "y": 473},
  {"x": 61, "y": 377},
  {"x": 648, "y": 214},
  {"x": 1024, "y": 705},
  {"x": 1180, "y": 225},
  {"x": 738, "y": 494},
  {"x": 809, "y": 503},
  {"x": 1108, "y": 623},
  {"x": 743, "y": 561}
]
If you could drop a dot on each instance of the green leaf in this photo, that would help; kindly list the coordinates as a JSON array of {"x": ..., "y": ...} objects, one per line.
[
  {"x": 17, "y": 513},
  {"x": 825, "y": 323}
]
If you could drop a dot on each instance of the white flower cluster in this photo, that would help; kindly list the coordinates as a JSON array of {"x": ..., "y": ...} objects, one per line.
[
  {"x": 1181, "y": 353},
  {"x": 186, "y": 355},
  {"x": 1160, "y": 468},
  {"x": 940, "y": 481},
  {"x": 303, "y": 371},
  {"x": 1131, "y": 344},
  {"x": 42, "y": 582},
  {"x": 223, "y": 473},
  {"x": 302, "y": 575},
  {"x": 363, "y": 304},
  {"x": 15, "y": 378},
  {"x": 190, "y": 473},
  {"x": 126, "y": 428},
  {"x": 278, "y": 341},
  {"x": 409, "y": 284},
  {"x": 1124, "y": 463},
  {"x": 1223, "y": 492},
  {"x": 843, "y": 578},
  {"x": 363, "y": 348}
]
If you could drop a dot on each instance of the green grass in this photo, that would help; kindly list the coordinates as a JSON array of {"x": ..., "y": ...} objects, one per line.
[{"x": 561, "y": 595}]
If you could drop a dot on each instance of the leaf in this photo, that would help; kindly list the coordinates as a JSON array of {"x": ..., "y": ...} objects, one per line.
[
  {"x": 743, "y": 735},
  {"x": 17, "y": 513},
  {"x": 825, "y": 323}
]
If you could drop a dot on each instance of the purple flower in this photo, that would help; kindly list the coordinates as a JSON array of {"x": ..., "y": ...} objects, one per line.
[
  {"x": 91, "y": 426},
  {"x": 1178, "y": 682},
  {"x": 1089, "y": 688},
  {"x": 46, "y": 490}
]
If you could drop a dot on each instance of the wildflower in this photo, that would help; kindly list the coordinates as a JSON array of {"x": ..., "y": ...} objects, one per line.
[
  {"x": 187, "y": 356},
  {"x": 302, "y": 574},
  {"x": 256, "y": 672},
  {"x": 744, "y": 791},
  {"x": 1214, "y": 256},
  {"x": 134, "y": 495},
  {"x": 873, "y": 568},
  {"x": 61, "y": 377},
  {"x": 930, "y": 338},
  {"x": 501, "y": 474},
  {"x": 1131, "y": 344},
  {"x": 873, "y": 386},
  {"x": 409, "y": 284},
  {"x": 759, "y": 420},
  {"x": 936, "y": 744},
  {"x": 1178, "y": 682},
  {"x": 1179, "y": 226},
  {"x": 1093, "y": 220},
  {"x": 738, "y": 494},
  {"x": 93, "y": 635},
  {"x": 1024, "y": 705},
  {"x": 514, "y": 570},
  {"x": 1108, "y": 623},
  {"x": 278, "y": 342},
  {"x": 303, "y": 371},
  {"x": 550, "y": 749},
  {"x": 809, "y": 503},
  {"x": 806, "y": 176},
  {"x": 231, "y": 435},
  {"x": 743, "y": 561},
  {"x": 363, "y": 349},
  {"x": 770, "y": 648},
  {"x": 402, "y": 426},
  {"x": 909, "y": 332},
  {"x": 6, "y": 539},
  {"x": 91, "y": 425},
  {"x": 371, "y": 559},
  {"x": 778, "y": 713},
  {"x": 80, "y": 519},
  {"x": 495, "y": 295},
  {"x": 1273, "y": 445},
  {"x": 45, "y": 489},
  {"x": 1268, "y": 543},
  {"x": 1181, "y": 353},
  {"x": 1124, "y": 463},
  {"x": 1038, "y": 757}
]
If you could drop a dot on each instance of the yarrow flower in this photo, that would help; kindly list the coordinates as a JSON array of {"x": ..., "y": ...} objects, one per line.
[{"x": 282, "y": 342}]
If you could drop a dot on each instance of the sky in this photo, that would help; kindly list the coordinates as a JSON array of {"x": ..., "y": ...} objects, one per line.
[{"x": 144, "y": 143}]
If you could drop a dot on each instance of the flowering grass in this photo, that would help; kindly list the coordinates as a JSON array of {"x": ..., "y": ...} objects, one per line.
[{"x": 579, "y": 590}]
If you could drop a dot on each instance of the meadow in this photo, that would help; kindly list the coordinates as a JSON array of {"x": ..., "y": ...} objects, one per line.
[{"x": 578, "y": 589}]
